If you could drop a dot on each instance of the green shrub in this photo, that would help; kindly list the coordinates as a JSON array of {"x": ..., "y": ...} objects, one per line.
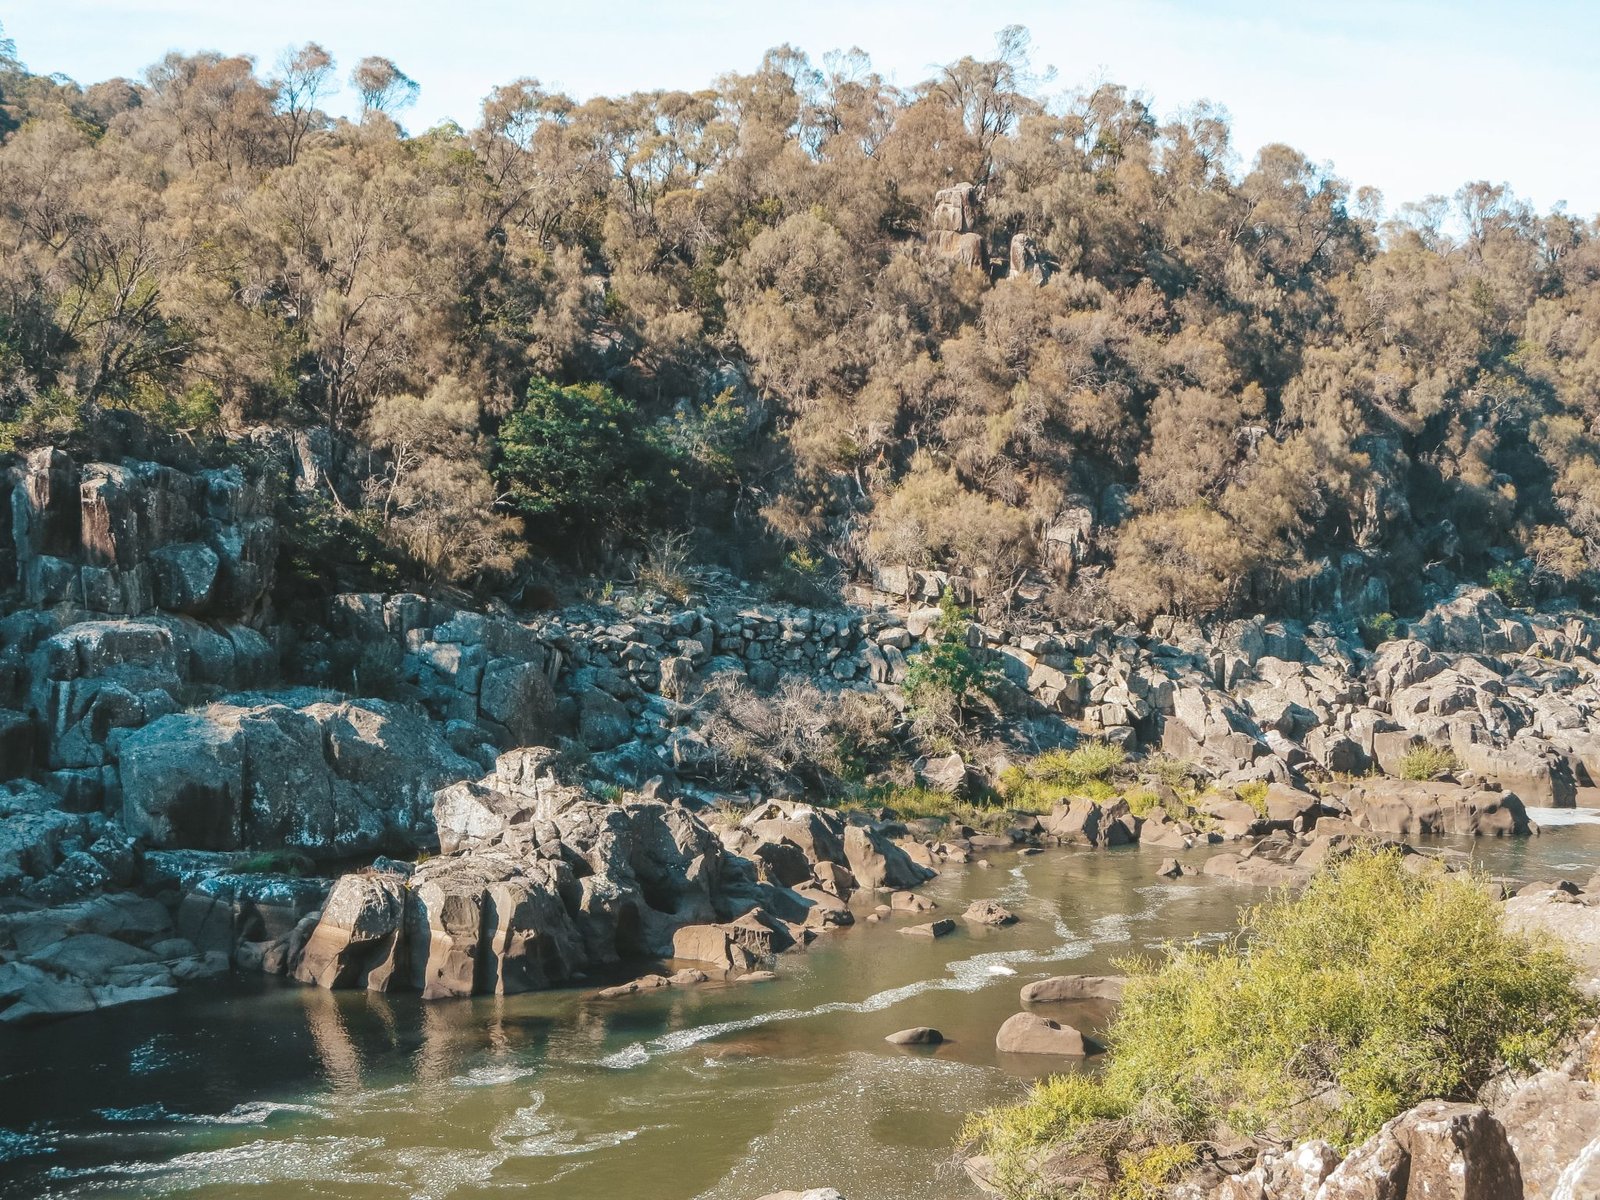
[
  {"x": 1424, "y": 762},
  {"x": 197, "y": 409},
  {"x": 1328, "y": 1014},
  {"x": 1174, "y": 772},
  {"x": 945, "y": 678},
  {"x": 1142, "y": 802},
  {"x": 1378, "y": 629},
  {"x": 276, "y": 862},
  {"x": 915, "y": 802},
  {"x": 580, "y": 464},
  {"x": 41, "y": 419},
  {"x": 325, "y": 547},
  {"x": 910, "y": 803},
  {"x": 1057, "y": 774},
  {"x": 1513, "y": 583},
  {"x": 1253, "y": 794}
]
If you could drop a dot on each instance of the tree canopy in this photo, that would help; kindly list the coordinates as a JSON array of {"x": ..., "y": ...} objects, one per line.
[{"x": 1122, "y": 364}]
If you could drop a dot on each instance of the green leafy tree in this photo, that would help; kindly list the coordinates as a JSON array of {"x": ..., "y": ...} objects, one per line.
[
  {"x": 946, "y": 678},
  {"x": 578, "y": 463}
]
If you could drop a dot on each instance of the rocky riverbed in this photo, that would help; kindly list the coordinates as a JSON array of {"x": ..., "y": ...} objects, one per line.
[
  {"x": 721, "y": 1090},
  {"x": 405, "y": 798}
]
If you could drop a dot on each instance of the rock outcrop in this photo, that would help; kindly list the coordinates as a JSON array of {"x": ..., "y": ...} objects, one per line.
[
  {"x": 539, "y": 883},
  {"x": 953, "y": 226}
]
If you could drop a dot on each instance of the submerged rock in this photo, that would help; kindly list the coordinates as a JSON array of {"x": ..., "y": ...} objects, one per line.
[
  {"x": 1074, "y": 987},
  {"x": 922, "y": 1035}
]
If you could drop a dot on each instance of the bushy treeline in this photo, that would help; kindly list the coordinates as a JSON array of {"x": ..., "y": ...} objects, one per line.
[{"x": 1170, "y": 382}]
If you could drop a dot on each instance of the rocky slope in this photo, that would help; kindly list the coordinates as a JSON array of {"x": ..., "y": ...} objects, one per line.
[{"x": 162, "y": 729}]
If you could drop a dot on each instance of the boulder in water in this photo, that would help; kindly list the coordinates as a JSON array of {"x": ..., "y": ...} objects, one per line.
[{"x": 1029, "y": 1033}]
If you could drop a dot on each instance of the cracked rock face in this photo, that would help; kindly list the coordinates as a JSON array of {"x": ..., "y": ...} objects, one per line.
[{"x": 537, "y": 883}]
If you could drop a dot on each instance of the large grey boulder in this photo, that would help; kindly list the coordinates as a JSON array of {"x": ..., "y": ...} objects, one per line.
[
  {"x": 1436, "y": 1150},
  {"x": 1074, "y": 987},
  {"x": 183, "y": 782},
  {"x": 328, "y": 779},
  {"x": 185, "y": 576},
  {"x": 1406, "y": 807},
  {"x": 538, "y": 881},
  {"x": 603, "y": 723},
  {"x": 1553, "y": 1123},
  {"x": 517, "y": 696},
  {"x": 877, "y": 862}
]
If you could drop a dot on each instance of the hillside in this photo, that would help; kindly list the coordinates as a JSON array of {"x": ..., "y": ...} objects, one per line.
[{"x": 810, "y": 327}]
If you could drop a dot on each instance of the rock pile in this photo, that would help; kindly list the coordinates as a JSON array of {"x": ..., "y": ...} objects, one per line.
[{"x": 538, "y": 883}]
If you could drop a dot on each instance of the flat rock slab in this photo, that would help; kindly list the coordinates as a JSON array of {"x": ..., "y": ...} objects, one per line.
[
  {"x": 1029, "y": 1033},
  {"x": 933, "y": 929},
  {"x": 922, "y": 1035},
  {"x": 1074, "y": 987},
  {"x": 645, "y": 983}
]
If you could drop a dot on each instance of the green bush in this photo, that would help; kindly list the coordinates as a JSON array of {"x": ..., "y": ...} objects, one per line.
[
  {"x": 911, "y": 803},
  {"x": 1057, "y": 774},
  {"x": 1423, "y": 762},
  {"x": 1253, "y": 794},
  {"x": 1328, "y": 1014},
  {"x": 1513, "y": 583},
  {"x": 945, "y": 677},
  {"x": 276, "y": 862},
  {"x": 48, "y": 417},
  {"x": 579, "y": 463},
  {"x": 1142, "y": 803},
  {"x": 1378, "y": 629}
]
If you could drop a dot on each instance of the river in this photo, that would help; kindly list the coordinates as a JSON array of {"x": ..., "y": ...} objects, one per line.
[{"x": 722, "y": 1092}]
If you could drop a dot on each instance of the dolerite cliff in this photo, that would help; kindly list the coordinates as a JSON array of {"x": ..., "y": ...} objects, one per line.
[
  {"x": 538, "y": 884},
  {"x": 162, "y": 728}
]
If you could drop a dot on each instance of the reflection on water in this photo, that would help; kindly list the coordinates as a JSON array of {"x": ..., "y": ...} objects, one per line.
[{"x": 719, "y": 1092}]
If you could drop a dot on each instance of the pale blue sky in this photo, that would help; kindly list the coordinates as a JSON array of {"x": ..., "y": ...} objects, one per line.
[{"x": 1412, "y": 96}]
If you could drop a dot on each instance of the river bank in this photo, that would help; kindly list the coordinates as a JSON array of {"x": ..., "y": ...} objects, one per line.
[{"x": 716, "y": 1092}]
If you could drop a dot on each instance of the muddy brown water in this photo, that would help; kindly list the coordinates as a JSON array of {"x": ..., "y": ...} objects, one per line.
[{"x": 714, "y": 1093}]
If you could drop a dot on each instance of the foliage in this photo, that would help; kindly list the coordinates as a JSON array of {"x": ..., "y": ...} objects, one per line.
[
  {"x": 434, "y": 495},
  {"x": 722, "y": 312},
  {"x": 1378, "y": 629},
  {"x": 326, "y": 548},
  {"x": 196, "y": 409},
  {"x": 1141, "y": 803},
  {"x": 1057, "y": 774},
  {"x": 276, "y": 862},
  {"x": 804, "y": 577},
  {"x": 1512, "y": 583},
  {"x": 945, "y": 677},
  {"x": 666, "y": 566},
  {"x": 828, "y": 740},
  {"x": 1423, "y": 762},
  {"x": 1253, "y": 794},
  {"x": 42, "y": 419},
  {"x": 578, "y": 464},
  {"x": 910, "y": 802},
  {"x": 1331, "y": 1012},
  {"x": 1174, "y": 772}
]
